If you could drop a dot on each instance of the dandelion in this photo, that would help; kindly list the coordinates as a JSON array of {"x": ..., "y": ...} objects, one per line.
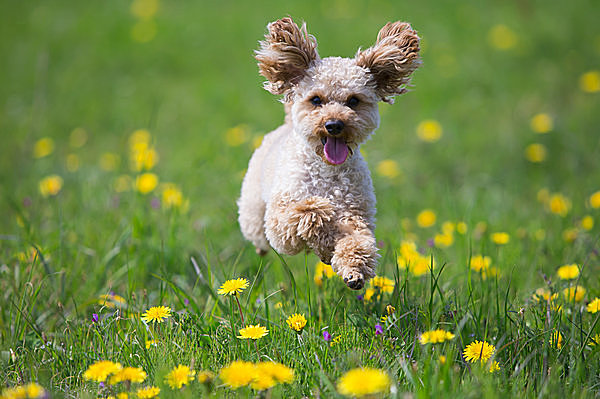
[
  {"x": 205, "y": 376},
  {"x": 568, "y": 272},
  {"x": 570, "y": 235},
  {"x": 144, "y": 9},
  {"x": 390, "y": 310},
  {"x": 575, "y": 293},
  {"x": 112, "y": 300},
  {"x": 494, "y": 366},
  {"x": 362, "y": 382},
  {"x": 151, "y": 342},
  {"x": 336, "y": 340},
  {"x": 593, "y": 306},
  {"x": 237, "y": 135},
  {"x": 146, "y": 182},
  {"x": 544, "y": 294},
  {"x": 279, "y": 372},
  {"x": 388, "y": 168},
  {"x": 321, "y": 270},
  {"x": 426, "y": 218},
  {"x": 171, "y": 196},
  {"x": 296, "y": 322},
  {"x": 536, "y": 153},
  {"x": 156, "y": 314},
  {"x": 595, "y": 200},
  {"x": 541, "y": 123},
  {"x": 556, "y": 340},
  {"x": 31, "y": 391},
  {"x": 233, "y": 287},
  {"x": 131, "y": 374},
  {"x": 253, "y": 332},
  {"x": 501, "y": 37},
  {"x": 500, "y": 238},
  {"x": 587, "y": 222},
  {"x": 595, "y": 340},
  {"x": 589, "y": 82},
  {"x": 435, "y": 336},
  {"x": 559, "y": 204},
  {"x": 43, "y": 147},
  {"x": 237, "y": 374},
  {"x": 480, "y": 263},
  {"x": 478, "y": 351},
  {"x": 384, "y": 284},
  {"x": 444, "y": 240},
  {"x": 461, "y": 228},
  {"x": 262, "y": 381},
  {"x": 148, "y": 392},
  {"x": 50, "y": 185},
  {"x": 429, "y": 130},
  {"x": 442, "y": 359},
  {"x": 100, "y": 370},
  {"x": 180, "y": 376},
  {"x": 410, "y": 258}
]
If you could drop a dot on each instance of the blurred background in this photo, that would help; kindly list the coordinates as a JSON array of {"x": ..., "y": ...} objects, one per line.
[{"x": 505, "y": 106}]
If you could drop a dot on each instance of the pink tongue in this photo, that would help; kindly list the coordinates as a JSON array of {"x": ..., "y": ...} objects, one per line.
[{"x": 336, "y": 150}]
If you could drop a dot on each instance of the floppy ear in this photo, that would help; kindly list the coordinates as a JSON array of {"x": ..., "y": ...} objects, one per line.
[
  {"x": 392, "y": 59},
  {"x": 285, "y": 55}
]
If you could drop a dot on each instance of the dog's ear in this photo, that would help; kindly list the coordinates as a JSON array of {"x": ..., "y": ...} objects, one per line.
[
  {"x": 392, "y": 59},
  {"x": 285, "y": 55}
]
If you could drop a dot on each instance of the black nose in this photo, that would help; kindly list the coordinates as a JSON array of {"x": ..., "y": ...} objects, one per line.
[{"x": 334, "y": 126}]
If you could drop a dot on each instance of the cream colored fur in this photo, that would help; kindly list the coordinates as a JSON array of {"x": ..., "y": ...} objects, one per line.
[{"x": 294, "y": 195}]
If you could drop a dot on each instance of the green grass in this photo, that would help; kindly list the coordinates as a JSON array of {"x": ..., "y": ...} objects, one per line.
[{"x": 74, "y": 64}]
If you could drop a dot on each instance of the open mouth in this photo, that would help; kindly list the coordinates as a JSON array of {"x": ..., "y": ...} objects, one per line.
[{"x": 335, "y": 149}]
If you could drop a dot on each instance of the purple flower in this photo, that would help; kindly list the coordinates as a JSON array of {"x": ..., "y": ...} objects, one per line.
[
  {"x": 378, "y": 329},
  {"x": 95, "y": 317},
  {"x": 326, "y": 336},
  {"x": 155, "y": 203},
  {"x": 186, "y": 301},
  {"x": 430, "y": 243},
  {"x": 101, "y": 385},
  {"x": 360, "y": 297}
]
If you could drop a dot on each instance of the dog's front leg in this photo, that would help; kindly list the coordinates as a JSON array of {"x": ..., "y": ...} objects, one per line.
[
  {"x": 291, "y": 225},
  {"x": 355, "y": 255}
]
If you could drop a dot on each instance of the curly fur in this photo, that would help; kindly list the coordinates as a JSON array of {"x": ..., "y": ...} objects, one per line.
[{"x": 295, "y": 195}]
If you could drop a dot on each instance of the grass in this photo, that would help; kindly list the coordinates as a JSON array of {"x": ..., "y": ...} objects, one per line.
[{"x": 186, "y": 74}]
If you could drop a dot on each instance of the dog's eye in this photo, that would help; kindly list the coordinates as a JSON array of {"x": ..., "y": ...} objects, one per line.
[
  {"x": 316, "y": 101},
  {"x": 352, "y": 102}
]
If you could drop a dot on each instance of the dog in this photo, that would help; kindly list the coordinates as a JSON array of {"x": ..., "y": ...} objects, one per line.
[{"x": 307, "y": 186}]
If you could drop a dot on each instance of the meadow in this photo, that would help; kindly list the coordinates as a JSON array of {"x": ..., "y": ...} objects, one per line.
[{"x": 126, "y": 128}]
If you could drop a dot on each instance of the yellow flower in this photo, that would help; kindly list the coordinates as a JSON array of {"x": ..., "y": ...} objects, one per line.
[
  {"x": 31, "y": 390},
  {"x": 442, "y": 359},
  {"x": 595, "y": 200},
  {"x": 363, "y": 381},
  {"x": 147, "y": 392},
  {"x": 388, "y": 168},
  {"x": 556, "y": 340},
  {"x": 480, "y": 263},
  {"x": 278, "y": 305},
  {"x": 143, "y": 31},
  {"x": 131, "y": 374},
  {"x": 140, "y": 136},
  {"x": 435, "y": 336},
  {"x": 568, "y": 272},
  {"x": 171, "y": 196},
  {"x": 575, "y": 293},
  {"x": 78, "y": 137},
  {"x": 559, "y": 204},
  {"x": 570, "y": 235},
  {"x": 237, "y": 135},
  {"x": 593, "y": 306},
  {"x": 500, "y": 238},
  {"x": 502, "y": 37},
  {"x": 536, "y": 153},
  {"x": 296, "y": 322},
  {"x": 321, "y": 270},
  {"x": 237, "y": 374},
  {"x": 112, "y": 300},
  {"x": 390, "y": 310},
  {"x": 589, "y": 82},
  {"x": 587, "y": 222},
  {"x": 544, "y": 294},
  {"x": 595, "y": 340},
  {"x": 151, "y": 342},
  {"x": 156, "y": 314},
  {"x": 100, "y": 370},
  {"x": 426, "y": 218},
  {"x": 109, "y": 161},
  {"x": 262, "y": 381},
  {"x": 429, "y": 130},
  {"x": 50, "y": 185},
  {"x": 384, "y": 284},
  {"x": 541, "y": 123},
  {"x": 279, "y": 372},
  {"x": 122, "y": 395},
  {"x": 43, "y": 147},
  {"x": 205, "y": 377},
  {"x": 253, "y": 332},
  {"x": 180, "y": 376},
  {"x": 461, "y": 228},
  {"x": 494, "y": 366},
  {"x": 144, "y": 9},
  {"x": 478, "y": 351},
  {"x": 410, "y": 258},
  {"x": 443, "y": 240},
  {"x": 233, "y": 287},
  {"x": 146, "y": 182}
]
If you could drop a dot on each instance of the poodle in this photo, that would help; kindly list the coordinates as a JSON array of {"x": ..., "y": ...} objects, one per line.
[{"x": 307, "y": 185}]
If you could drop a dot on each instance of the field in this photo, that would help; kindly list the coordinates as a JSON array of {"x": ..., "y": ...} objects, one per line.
[{"x": 126, "y": 130}]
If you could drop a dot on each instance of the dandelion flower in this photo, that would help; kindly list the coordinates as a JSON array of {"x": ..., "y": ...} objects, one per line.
[
  {"x": 156, "y": 314},
  {"x": 50, "y": 185},
  {"x": 144, "y": 9},
  {"x": 587, "y": 222},
  {"x": 461, "y": 228},
  {"x": 429, "y": 130},
  {"x": 495, "y": 366},
  {"x": 595, "y": 340},
  {"x": 541, "y": 123},
  {"x": 233, "y": 287},
  {"x": 296, "y": 322},
  {"x": 502, "y": 37},
  {"x": 253, "y": 332},
  {"x": 556, "y": 340},
  {"x": 148, "y": 392},
  {"x": 321, "y": 270},
  {"x": 595, "y": 200},
  {"x": 262, "y": 381},
  {"x": 544, "y": 294},
  {"x": 146, "y": 182},
  {"x": 151, "y": 342},
  {"x": 43, "y": 147},
  {"x": 426, "y": 218},
  {"x": 568, "y": 272},
  {"x": 388, "y": 168},
  {"x": 100, "y": 370},
  {"x": 363, "y": 381},
  {"x": 478, "y": 351},
  {"x": 589, "y": 82},
  {"x": 442, "y": 359},
  {"x": 480, "y": 263},
  {"x": 171, "y": 196},
  {"x": 443, "y": 240},
  {"x": 31, "y": 391},
  {"x": 559, "y": 204},
  {"x": 390, "y": 310},
  {"x": 593, "y": 306},
  {"x": 575, "y": 293},
  {"x": 237, "y": 374},
  {"x": 500, "y": 238},
  {"x": 570, "y": 235},
  {"x": 131, "y": 374},
  {"x": 237, "y": 135},
  {"x": 280, "y": 372},
  {"x": 536, "y": 153},
  {"x": 205, "y": 376},
  {"x": 435, "y": 336},
  {"x": 383, "y": 283},
  {"x": 180, "y": 376}
]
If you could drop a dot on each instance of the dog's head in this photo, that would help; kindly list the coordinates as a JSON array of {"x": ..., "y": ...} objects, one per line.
[{"x": 333, "y": 101}]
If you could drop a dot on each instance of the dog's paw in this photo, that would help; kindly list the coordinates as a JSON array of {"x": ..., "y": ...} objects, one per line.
[{"x": 354, "y": 279}]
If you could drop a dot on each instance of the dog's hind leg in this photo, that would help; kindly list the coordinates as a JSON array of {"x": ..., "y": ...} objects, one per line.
[{"x": 251, "y": 210}]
